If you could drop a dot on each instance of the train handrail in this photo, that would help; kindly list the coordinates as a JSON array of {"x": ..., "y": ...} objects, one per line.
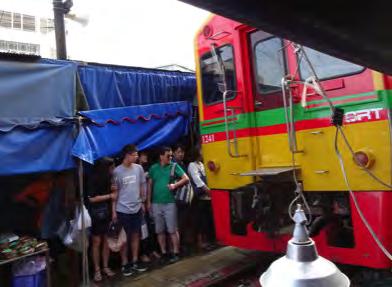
[
  {"x": 229, "y": 142},
  {"x": 289, "y": 115},
  {"x": 225, "y": 92}
]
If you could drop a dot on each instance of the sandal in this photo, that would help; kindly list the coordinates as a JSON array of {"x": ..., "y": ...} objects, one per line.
[
  {"x": 97, "y": 276},
  {"x": 108, "y": 272}
]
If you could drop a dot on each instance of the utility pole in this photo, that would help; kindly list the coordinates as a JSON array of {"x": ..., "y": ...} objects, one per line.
[{"x": 61, "y": 8}]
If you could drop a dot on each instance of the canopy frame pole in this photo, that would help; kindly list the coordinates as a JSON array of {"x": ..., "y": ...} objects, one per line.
[{"x": 85, "y": 271}]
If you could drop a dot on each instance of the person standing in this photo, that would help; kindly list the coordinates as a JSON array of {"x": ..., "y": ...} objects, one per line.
[
  {"x": 100, "y": 203},
  {"x": 178, "y": 155},
  {"x": 160, "y": 199},
  {"x": 129, "y": 180},
  {"x": 204, "y": 221},
  {"x": 185, "y": 222},
  {"x": 149, "y": 245}
]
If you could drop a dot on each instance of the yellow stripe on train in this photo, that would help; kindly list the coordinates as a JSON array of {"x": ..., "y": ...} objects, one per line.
[{"x": 318, "y": 163}]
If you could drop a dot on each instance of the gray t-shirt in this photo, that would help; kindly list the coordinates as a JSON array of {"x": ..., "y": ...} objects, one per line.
[{"x": 128, "y": 181}]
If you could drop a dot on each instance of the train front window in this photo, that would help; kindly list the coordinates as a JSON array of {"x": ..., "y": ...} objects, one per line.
[
  {"x": 327, "y": 67},
  {"x": 213, "y": 76},
  {"x": 269, "y": 65}
]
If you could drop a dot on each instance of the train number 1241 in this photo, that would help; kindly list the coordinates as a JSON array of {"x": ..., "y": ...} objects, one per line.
[{"x": 207, "y": 139}]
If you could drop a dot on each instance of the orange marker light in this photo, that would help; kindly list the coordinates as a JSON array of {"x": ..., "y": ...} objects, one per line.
[
  {"x": 212, "y": 166},
  {"x": 364, "y": 158}
]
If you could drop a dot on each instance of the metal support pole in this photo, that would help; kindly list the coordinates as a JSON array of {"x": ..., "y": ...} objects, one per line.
[
  {"x": 48, "y": 269},
  {"x": 59, "y": 11},
  {"x": 85, "y": 273}
]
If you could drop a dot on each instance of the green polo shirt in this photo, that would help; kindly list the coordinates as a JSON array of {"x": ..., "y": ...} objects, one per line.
[{"x": 160, "y": 176}]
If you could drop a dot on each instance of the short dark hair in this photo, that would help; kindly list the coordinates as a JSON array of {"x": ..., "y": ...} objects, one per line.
[
  {"x": 107, "y": 161},
  {"x": 164, "y": 149},
  {"x": 196, "y": 154},
  {"x": 103, "y": 163},
  {"x": 177, "y": 146},
  {"x": 100, "y": 172},
  {"x": 143, "y": 152},
  {"x": 129, "y": 148}
]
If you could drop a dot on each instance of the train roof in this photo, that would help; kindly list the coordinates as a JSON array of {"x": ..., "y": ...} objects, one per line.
[{"x": 357, "y": 31}]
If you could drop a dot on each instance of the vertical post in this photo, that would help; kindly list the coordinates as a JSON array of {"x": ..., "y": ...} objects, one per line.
[
  {"x": 48, "y": 269},
  {"x": 59, "y": 11},
  {"x": 85, "y": 273}
]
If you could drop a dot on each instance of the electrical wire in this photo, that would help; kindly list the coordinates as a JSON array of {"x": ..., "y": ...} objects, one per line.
[
  {"x": 290, "y": 208},
  {"x": 332, "y": 108},
  {"x": 290, "y": 125},
  {"x": 364, "y": 168},
  {"x": 361, "y": 215},
  {"x": 341, "y": 162}
]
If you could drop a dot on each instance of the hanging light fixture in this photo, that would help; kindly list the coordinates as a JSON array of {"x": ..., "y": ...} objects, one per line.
[{"x": 302, "y": 266}]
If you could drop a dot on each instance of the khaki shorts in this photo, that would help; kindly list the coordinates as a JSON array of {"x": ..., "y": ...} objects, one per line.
[{"x": 165, "y": 217}]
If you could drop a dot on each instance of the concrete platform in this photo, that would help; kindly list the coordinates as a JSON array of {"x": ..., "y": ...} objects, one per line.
[{"x": 196, "y": 271}]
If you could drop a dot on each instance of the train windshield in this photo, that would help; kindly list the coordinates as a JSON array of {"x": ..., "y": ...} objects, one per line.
[
  {"x": 269, "y": 64},
  {"x": 216, "y": 71},
  {"x": 326, "y": 66}
]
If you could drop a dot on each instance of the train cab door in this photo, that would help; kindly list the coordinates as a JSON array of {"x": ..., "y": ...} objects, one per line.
[
  {"x": 224, "y": 123},
  {"x": 268, "y": 67}
]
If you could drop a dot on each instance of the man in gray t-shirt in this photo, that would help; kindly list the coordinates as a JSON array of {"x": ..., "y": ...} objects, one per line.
[{"x": 129, "y": 182}]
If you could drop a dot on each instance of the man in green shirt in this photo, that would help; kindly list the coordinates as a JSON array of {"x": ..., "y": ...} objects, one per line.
[{"x": 160, "y": 200}]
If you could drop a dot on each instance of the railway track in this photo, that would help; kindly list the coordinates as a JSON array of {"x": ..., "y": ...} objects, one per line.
[{"x": 231, "y": 267}]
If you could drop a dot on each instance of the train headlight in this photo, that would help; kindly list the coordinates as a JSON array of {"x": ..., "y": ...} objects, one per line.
[
  {"x": 364, "y": 158},
  {"x": 213, "y": 166},
  {"x": 207, "y": 31}
]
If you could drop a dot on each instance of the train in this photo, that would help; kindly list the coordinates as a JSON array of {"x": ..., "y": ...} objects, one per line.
[{"x": 280, "y": 124}]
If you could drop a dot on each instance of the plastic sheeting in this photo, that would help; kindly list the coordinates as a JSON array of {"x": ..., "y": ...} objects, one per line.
[
  {"x": 146, "y": 126},
  {"x": 37, "y": 103},
  {"x": 47, "y": 149},
  {"x": 36, "y": 94},
  {"x": 111, "y": 87}
]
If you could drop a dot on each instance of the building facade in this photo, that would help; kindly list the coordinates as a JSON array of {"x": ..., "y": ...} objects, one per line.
[{"x": 26, "y": 33}]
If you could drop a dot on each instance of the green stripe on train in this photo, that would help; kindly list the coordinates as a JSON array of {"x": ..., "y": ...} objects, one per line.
[{"x": 277, "y": 116}]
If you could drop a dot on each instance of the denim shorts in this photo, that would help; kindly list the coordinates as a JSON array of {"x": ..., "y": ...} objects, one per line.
[{"x": 130, "y": 222}]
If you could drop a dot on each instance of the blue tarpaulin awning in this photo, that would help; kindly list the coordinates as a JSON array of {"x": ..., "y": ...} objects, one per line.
[
  {"x": 38, "y": 106},
  {"x": 37, "y": 103},
  {"x": 112, "y": 86},
  {"x": 107, "y": 131}
]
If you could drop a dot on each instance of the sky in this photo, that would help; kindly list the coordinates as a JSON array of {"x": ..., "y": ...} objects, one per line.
[{"x": 144, "y": 33}]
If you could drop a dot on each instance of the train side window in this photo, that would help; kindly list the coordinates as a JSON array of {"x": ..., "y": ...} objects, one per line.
[
  {"x": 326, "y": 66},
  {"x": 212, "y": 75},
  {"x": 269, "y": 63}
]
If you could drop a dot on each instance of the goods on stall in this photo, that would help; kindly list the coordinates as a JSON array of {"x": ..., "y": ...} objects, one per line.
[{"x": 13, "y": 246}]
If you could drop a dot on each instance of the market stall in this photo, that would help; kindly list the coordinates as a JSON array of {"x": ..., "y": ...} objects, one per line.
[{"x": 44, "y": 139}]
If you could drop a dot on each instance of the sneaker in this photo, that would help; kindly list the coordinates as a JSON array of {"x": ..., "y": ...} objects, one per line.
[
  {"x": 139, "y": 267},
  {"x": 185, "y": 251},
  {"x": 174, "y": 258},
  {"x": 164, "y": 259},
  {"x": 127, "y": 270}
]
